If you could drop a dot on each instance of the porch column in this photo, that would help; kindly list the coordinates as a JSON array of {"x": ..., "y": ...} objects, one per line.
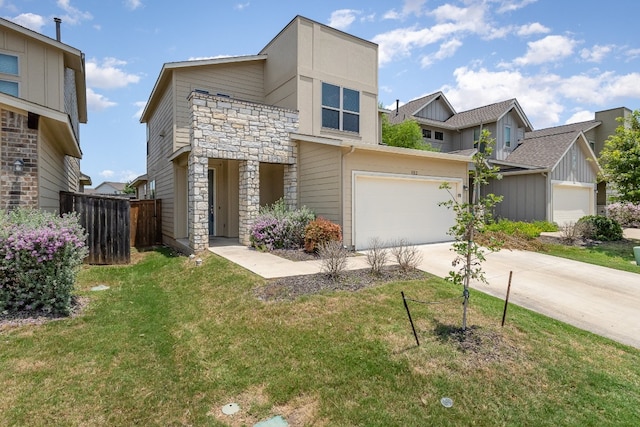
[
  {"x": 291, "y": 185},
  {"x": 249, "y": 193},
  {"x": 198, "y": 224}
]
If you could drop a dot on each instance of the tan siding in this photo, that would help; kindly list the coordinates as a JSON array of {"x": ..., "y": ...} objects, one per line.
[
  {"x": 319, "y": 179},
  {"x": 396, "y": 164},
  {"x": 242, "y": 81},
  {"x": 52, "y": 174},
  {"x": 158, "y": 167}
]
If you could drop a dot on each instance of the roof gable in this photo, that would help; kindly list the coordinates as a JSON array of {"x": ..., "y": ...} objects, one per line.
[
  {"x": 411, "y": 109},
  {"x": 488, "y": 114}
]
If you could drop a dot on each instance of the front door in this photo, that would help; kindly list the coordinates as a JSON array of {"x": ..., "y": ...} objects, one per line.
[{"x": 212, "y": 202}]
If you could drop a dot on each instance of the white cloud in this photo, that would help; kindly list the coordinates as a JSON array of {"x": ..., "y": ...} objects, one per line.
[
  {"x": 108, "y": 74},
  {"x": 97, "y": 102},
  {"x": 580, "y": 116},
  {"x": 452, "y": 22},
  {"x": 511, "y": 5},
  {"x": 133, "y": 4},
  {"x": 107, "y": 173},
  {"x": 548, "y": 49},
  {"x": 73, "y": 15},
  {"x": 30, "y": 20},
  {"x": 596, "y": 53},
  {"x": 409, "y": 7},
  {"x": 140, "y": 105},
  {"x": 241, "y": 6},
  {"x": 447, "y": 49},
  {"x": 204, "y": 58},
  {"x": 343, "y": 18},
  {"x": 127, "y": 175},
  {"x": 632, "y": 54},
  {"x": 533, "y": 28}
]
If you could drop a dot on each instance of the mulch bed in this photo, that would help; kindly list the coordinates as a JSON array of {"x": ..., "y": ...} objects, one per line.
[
  {"x": 290, "y": 288},
  {"x": 10, "y": 320}
]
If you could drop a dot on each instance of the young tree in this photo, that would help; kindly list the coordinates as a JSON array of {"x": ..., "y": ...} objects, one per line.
[
  {"x": 620, "y": 159},
  {"x": 407, "y": 134},
  {"x": 471, "y": 219}
]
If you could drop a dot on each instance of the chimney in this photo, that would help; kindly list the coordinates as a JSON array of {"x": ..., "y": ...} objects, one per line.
[
  {"x": 397, "y": 106},
  {"x": 58, "y": 21}
]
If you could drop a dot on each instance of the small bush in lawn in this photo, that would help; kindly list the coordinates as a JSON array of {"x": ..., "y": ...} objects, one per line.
[
  {"x": 571, "y": 232},
  {"x": 320, "y": 231},
  {"x": 376, "y": 255},
  {"x": 334, "y": 258},
  {"x": 39, "y": 256},
  {"x": 627, "y": 214},
  {"x": 278, "y": 227},
  {"x": 600, "y": 227},
  {"x": 407, "y": 256}
]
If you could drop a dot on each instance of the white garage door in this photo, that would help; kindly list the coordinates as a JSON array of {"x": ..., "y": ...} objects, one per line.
[
  {"x": 571, "y": 202},
  {"x": 392, "y": 207}
]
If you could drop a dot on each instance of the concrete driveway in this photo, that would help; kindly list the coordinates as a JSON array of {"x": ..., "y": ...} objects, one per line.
[{"x": 598, "y": 299}]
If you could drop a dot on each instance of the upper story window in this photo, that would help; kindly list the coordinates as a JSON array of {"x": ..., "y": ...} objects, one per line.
[
  {"x": 426, "y": 133},
  {"x": 439, "y": 136},
  {"x": 340, "y": 108},
  {"x": 8, "y": 67},
  {"x": 507, "y": 136}
]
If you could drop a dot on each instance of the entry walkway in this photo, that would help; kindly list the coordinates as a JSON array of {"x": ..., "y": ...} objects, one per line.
[{"x": 598, "y": 299}]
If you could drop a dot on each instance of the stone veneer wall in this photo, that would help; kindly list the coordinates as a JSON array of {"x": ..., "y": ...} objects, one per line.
[
  {"x": 226, "y": 128},
  {"x": 18, "y": 142}
]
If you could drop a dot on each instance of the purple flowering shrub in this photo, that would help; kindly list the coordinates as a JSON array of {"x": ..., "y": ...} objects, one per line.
[
  {"x": 278, "y": 227},
  {"x": 627, "y": 214},
  {"x": 39, "y": 256}
]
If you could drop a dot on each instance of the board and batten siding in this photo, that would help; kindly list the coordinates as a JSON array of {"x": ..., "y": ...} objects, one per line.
[
  {"x": 238, "y": 80},
  {"x": 436, "y": 110},
  {"x": 524, "y": 197},
  {"x": 52, "y": 173},
  {"x": 319, "y": 179},
  {"x": 392, "y": 163},
  {"x": 159, "y": 169},
  {"x": 575, "y": 167}
]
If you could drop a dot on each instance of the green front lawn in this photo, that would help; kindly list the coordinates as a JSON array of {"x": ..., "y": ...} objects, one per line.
[
  {"x": 171, "y": 343},
  {"x": 618, "y": 255}
]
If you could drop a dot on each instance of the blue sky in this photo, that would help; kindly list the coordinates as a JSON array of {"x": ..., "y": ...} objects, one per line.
[{"x": 563, "y": 60}]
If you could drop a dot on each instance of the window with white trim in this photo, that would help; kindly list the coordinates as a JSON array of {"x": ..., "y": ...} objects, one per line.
[
  {"x": 507, "y": 136},
  {"x": 340, "y": 108},
  {"x": 9, "y": 67}
]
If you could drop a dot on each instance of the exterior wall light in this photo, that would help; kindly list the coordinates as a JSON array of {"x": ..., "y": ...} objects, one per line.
[{"x": 18, "y": 166}]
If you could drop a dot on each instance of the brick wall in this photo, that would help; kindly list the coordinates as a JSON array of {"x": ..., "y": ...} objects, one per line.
[{"x": 18, "y": 142}]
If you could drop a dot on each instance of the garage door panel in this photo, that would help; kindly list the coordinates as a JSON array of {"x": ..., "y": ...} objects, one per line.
[
  {"x": 572, "y": 202},
  {"x": 392, "y": 208}
]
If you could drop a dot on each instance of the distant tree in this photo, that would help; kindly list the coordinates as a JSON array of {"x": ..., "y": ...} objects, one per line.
[
  {"x": 407, "y": 134},
  {"x": 620, "y": 159},
  {"x": 128, "y": 189}
]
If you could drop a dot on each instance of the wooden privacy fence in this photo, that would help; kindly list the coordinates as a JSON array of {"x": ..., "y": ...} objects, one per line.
[
  {"x": 107, "y": 222},
  {"x": 145, "y": 222}
]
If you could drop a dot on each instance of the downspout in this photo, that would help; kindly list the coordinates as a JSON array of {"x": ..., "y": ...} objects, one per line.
[{"x": 342, "y": 213}]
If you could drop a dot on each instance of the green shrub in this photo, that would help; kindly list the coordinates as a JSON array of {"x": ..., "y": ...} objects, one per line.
[
  {"x": 320, "y": 231},
  {"x": 600, "y": 227},
  {"x": 278, "y": 227},
  {"x": 530, "y": 230},
  {"x": 39, "y": 256}
]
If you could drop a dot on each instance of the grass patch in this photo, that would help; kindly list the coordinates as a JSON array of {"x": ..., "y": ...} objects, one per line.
[
  {"x": 618, "y": 254},
  {"x": 170, "y": 344}
]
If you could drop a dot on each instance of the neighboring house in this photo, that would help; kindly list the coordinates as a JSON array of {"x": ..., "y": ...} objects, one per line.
[
  {"x": 111, "y": 188},
  {"x": 42, "y": 103},
  {"x": 549, "y": 174},
  {"x": 298, "y": 120},
  {"x": 141, "y": 185}
]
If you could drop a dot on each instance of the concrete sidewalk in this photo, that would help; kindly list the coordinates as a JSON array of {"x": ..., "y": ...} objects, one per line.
[{"x": 598, "y": 299}]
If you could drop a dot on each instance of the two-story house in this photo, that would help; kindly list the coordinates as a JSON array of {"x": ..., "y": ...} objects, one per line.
[
  {"x": 42, "y": 103},
  {"x": 548, "y": 174},
  {"x": 298, "y": 120}
]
